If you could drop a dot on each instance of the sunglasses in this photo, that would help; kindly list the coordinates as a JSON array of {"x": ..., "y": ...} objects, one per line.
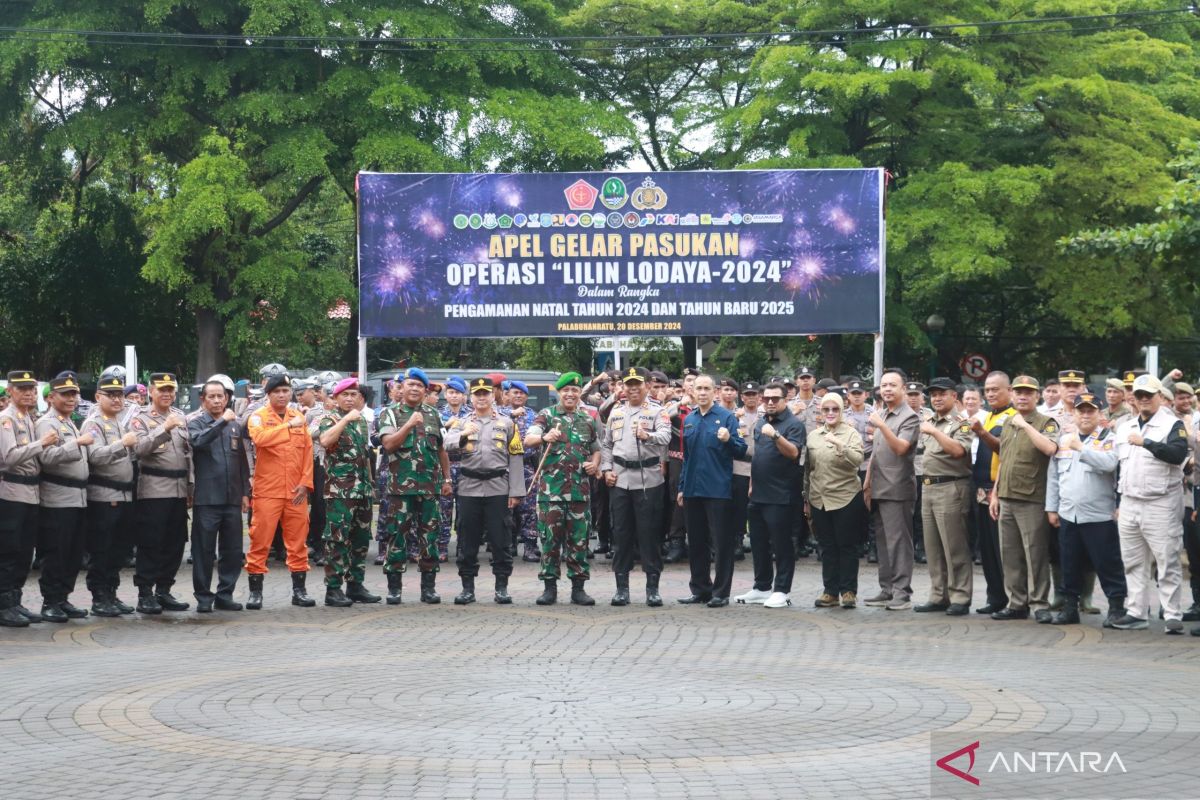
[
  {"x": 830, "y": 411},
  {"x": 772, "y": 399}
]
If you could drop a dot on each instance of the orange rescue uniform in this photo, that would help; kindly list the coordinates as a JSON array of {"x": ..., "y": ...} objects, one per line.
[{"x": 283, "y": 461}]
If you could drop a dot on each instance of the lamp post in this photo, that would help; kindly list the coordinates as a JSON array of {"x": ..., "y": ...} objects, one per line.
[{"x": 934, "y": 326}]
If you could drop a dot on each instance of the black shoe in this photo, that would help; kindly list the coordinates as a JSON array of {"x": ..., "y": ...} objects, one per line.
[
  {"x": 73, "y": 611},
  {"x": 1044, "y": 616},
  {"x": 578, "y": 596},
  {"x": 227, "y": 604},
  {"x": 299, "y": 593},
  {"x": 334, "y": 596},
  {"x": 1116, "y": 610},
  {"x": 147, "y": 602},
  {"x": 1192, "y": 613},
  {"x": 958, "y": 610},
  {"x": 467, "y": 595},
  {"x": 718, "y": 602},
  {"x": 621, "y": 597},
  {"x": 739, "y": 554},
  {"x": 1196, "y": 631},
  {"x": 102, "y": 605},
  {"x": 357, "y": 593},
  {"x": 428, "y": 592},
  {"x": 169, "y": 602},
  {"x": 51, "y": 612},
  {"x": 653, "y": 598},
  {"x": 32, "y": 616},
  {"x": 502, "y": 596},
  {"x": 988, "y": 609},
  {"x": 254, "y": 600},
  {"x": 550, "y": 596},
  {"x": 676, "y": 552},
  {"x": 9, "y": 616},
  {"x": 204, "y": 605},
  {"x": 1069, "y": 614},
  {"x": 925, "y": 608},
  {"x": 694, "y": 599},
  {"x": 1011, "y": 613},
  {"x": 395, "y": 587},
  {"x": 919, "y": 557},
  {"x": 120, "y": 605}
]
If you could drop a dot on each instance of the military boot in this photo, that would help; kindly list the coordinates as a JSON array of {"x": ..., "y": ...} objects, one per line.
[
  {"x": 550, "y": 596},
  {"x": 334, "y": 596},
  {"x": 119, "y": 604},
  {"x": 147, "y": 602},
  {"x": 653, "y": 598},
  {"x": 358, "y": 593},
  {"x": 254, "y": 599},
  {"x": 395, "y": 585},
  {"x": 1069, "y": 614},
  {"x": 428, "y": 595},
  {"x": 676, "y": 552},
  {"x": 578, "y": 596},
  {"x": 9, "y": 616},
  {"x": 299, "y": 595},
  {"x": 621, "y": 598},
  {"x": 467, "y": 595},
  {"x": 502, "y": 596},
  {"x": 170, "y": 602},
  {"x": 1116, "y": 610},
  {"x": 102, "y": 606}
]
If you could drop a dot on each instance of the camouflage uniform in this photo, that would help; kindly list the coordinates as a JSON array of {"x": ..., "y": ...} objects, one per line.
[
  {"x": 448, "y": 505},
  {"x": 347, "y": 501},
  {"x": 526, "y": 513},
  {"x": 412, "y": 484},
  {"x": 563, "y": 495}
]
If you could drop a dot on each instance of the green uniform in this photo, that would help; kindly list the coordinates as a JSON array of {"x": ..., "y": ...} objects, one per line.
[
  {"x": 348, "y": 501},
  {"x": 564, "y": 492},
  {"x": 414, "y": 476}
]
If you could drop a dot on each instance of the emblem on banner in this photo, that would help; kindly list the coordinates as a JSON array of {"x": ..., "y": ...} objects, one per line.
[
  {"x": 581, "y": 195},
  {"x": 648, "y": 196},
  {"x": 613, "y": 194}
]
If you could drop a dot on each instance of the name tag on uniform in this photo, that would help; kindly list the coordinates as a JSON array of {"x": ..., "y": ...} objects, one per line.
[{"x": 233, "y": 443}]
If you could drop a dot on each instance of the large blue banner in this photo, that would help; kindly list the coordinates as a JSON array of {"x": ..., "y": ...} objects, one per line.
[{"x": 642, "y": 254}]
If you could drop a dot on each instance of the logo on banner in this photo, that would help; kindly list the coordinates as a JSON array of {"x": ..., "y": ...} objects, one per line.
[
  {"x": 581, "y": 195},
  {"x": 613, "y": 194},
  {"x": 648, "y": 196},
  {"x": 460, "y": 221}
]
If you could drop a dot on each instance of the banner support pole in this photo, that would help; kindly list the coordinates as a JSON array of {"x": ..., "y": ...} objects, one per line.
[{"x": 362, "y": 358}]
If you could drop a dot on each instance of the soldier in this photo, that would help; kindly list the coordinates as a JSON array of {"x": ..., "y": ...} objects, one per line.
[
  {"x": 220, "y": 497},
  {"x": 282, "y": 482},
  {"x": 344, "y": 439},
  {"x": 110, "y": 517},
  {"x": 4, "y": 398},
  {"x": 416, "y": 460},
  {"x": 452, "y": 415},
  {"x": 632, "y": 450},
  {"x": 946, "y": 501},
  {"x": 572, "y": 457},
  {"x": 525, "y": 515},
  {"x": 491, "y": 484},
  {"x": 676, "y": 533},
  {"x": 317, "y": 518},
  {"x": 63, "y": 498}
]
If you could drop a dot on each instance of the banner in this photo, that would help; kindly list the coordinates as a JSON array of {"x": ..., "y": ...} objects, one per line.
[{"x": 635, "y": 254}]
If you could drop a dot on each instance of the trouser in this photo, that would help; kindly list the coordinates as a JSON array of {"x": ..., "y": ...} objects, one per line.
[
  {"x": 797, "y": 524},
  {"x": 739, "y": 507},
  {"x": 216, "y": 539},
  {"x": 480, "y": 518},
  {"x": 600, "y": 514},
  {"x": 677, "y": 518},
  {"x": 988, "y": 532},
  {"x": 1149, "y": 529},
  {"x": 894, "y": 546},
  {"x": 1191, "y": 543},
  {"x": 918, "y": 527},
  {"x": 110, "y": 534},
  {"x": 347, "y": 537},
  {"x": 270, "y": 513},
  {"x": 771, "y": 538},
  {"x": 1025, "y": 554},
  {"x": 707, "y": 520},
  {"x": 447, "y": 507},
  {"x": 944, "y": 510},
  {"x": 418, "y": 517},
  {"x": 525, "y": 515},
  {"x": 62, "y": 536},
  {"x": 636, "y": 519},
  {"x": 1097, "y": 542},
  {"x": 316, "y": 506},
  {"x": 18, "y": 538},
  {"x": 161, "y": 535},
  {"x": 562, "y": 535},
  {"x": 839, "y": 532}
]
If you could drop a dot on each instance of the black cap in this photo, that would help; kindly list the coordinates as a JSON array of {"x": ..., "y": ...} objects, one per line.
[
  {"x": 730, "y": 382},
  {"x": 658, "y": 377},
  {"x": 826, "y": 383},
  {"x": 482, "y": 385},
  {"x": 691, "y": 371},
  {"x": 160, "y": 380},
  {"x": 1071, "y": 376},
  {"x": 837, "y": 389},
  {"x": 274, "y": 382},
  {"x": 109, "y": 381},
  {"x": 855, "y": 386},
  {"x": 914, "y": 387},
  {"x": 64, "y": 383},
  {"x": 1086, "y": 399},
  {"x": 21, "y": 377},
  {"x": 751, "y": 387},
  {"x": 942, "y": 383},
  {"x": 804, "y": 371},
  {"x": 635, "y": 375}
]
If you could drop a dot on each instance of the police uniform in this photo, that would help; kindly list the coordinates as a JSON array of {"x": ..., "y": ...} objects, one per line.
[
  {"x": 859, "y": 420},
  {"x": 491, "y": 472},
  {"x": 925, "y": 414},
  {"x": 893, "y": 496},
  {"x": 1113, "y": 416},
  {"x": 449, "y": 505},
  {"x": 19, "y": 451},
  {"x": 739, "y": 507},
  {"x": 318, "y": 509},
  {"x": 636, "y": 497}
]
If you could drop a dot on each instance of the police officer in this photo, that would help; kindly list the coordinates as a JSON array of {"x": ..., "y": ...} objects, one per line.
[
  {"x": 525, "y": 514},
  {"x": 747, "y": 415},
  {"x": 946, "y": 501},
  {"x": 491, "y": 482},
  {"x": 914, "y": 393},
  {"x": 1080, "y": 503},
  {"x": 452, "y": 413},
  {"x": 110, "y": 516},
  {"x": 63, "y": 498},
  {"x": 632, "y": 450}
]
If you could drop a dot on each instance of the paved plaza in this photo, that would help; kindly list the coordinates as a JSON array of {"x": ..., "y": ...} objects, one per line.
[{"x": 559, "y": 702}]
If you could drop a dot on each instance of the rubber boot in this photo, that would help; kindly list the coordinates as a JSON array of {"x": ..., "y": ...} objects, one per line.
[
  {"x": 299, "y": 595},
  {"x": 1116, "y": 610},
  {"x": 621, "y": 598},
  {"x": 550, "y": 595},
  {"x": 357, "y": 593},
  {"x": 1085, "y": 595},
  {"x": 1069, "y": 614},
  {"x": 428, "y": 595},
  {"x": 502, "y": 596},
  {"x": 578, "y": 596},
  {"x": 467, "y": 595},
  {"x": 254, "y": 599},
  {"x": 147, "y": 602},
  {"x": 334, "y": 596},
  {"x": 653, "y": 598},
  {"x": 9, "y": 616},
  {"x": 395, "y": 585}
]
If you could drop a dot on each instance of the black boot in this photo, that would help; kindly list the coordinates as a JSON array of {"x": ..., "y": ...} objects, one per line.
[
  {"x": 9, "y": 616},
  {"x": 578, "y": 596},
  {"x": 334, "y": 596},
  {"x": 467, "y": 595},
  {"x": 169, "y": 602},
  {"x": 1069, "y": 615},
  {"x": 653, "y": 598},
  {"x": 676, "y": 552},
  {"x": 358, "y": 593},
  {"x": 621, "y": 598},
  {"x": 119, "y": 604},
  {"x": 395, "y": 585},
  {"x": 102, "y": 606},
  {"x": 33, "y": 617},
  {"x": 428, "y": 595},
  {"x": 254, "y": 599},
  {"x": 502, "y": 596},
  {"x": 52, "y": 612},
  {"x": 550, "y": 596},
  {"x": 147, "y": 602},
  {"x": 299, "y": 595},
  {"x": 1116, "y": 610}
]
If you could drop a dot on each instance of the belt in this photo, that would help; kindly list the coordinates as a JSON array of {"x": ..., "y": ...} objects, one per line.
[
  {"x": 482, "y": 474},
  {"x": 933, "y": 480},
  {"x": 164, "y": 473},
  {"x": 73, "y": 483},
  {"x": 744, "y": 459},
  {"x": 24, "y": 480},
  {"x": 649, "y": 462},
  {"x": 108, "y": 483}
]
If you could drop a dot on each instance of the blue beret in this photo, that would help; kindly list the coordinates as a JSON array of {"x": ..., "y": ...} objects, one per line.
[
  {"x": 519, "y": 386},
  {"x": 506, "y": 385},
  {"x": 416, "y": 373},
  {"x": 457, "y": 384}
]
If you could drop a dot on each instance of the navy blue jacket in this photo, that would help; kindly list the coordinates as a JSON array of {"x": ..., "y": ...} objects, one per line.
[{"x": 707, "y": 461}]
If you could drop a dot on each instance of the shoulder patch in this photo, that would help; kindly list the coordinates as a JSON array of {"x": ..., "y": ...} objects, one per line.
[
  {"x": 255, "y": 419},
  {"x": 964, "y": 429},
  {"x": 1051, "y": 427},
  {"x": 1182, "y": 433}
]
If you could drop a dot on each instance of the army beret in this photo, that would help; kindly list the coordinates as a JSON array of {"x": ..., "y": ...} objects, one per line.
[
  {"x": 634, "y": 375},
  {"x": 497, "y": 378},
  {"x": 1026, "y": 382},
  {"x": 457, "y": 384},
  {"x": 162, "y": 380},
  {"x": 1115, "y": 383},
  {"x": 1180, "y": 386},
  {"x": 691, "y": 371},
  {"x": 64, "y": 383},
  {"x": 751, "y": 387},
  {"x": 1070, "y": 376},
  {"x": 1086, "y": 399},
  {"x": 727, "y": 382},
  {"x": 21, "y": 377},
  {"x": 343, "y": 385},
  {"x": 569, "y": 379},
  {"x": 942, "y": 384},
  {"x": 481, "y": 385},
  {"x": 658, "y": 377},
  {"x": 826, "y": 383},
  {"x": 804, "y": 372},
  {"x": 914, "y": 387},
  {"x": 139, "y": 388},
  {"x": 274, "y": 382},
  {"x": 415, "y": 374},
  {"x": 519, "y": 386}
]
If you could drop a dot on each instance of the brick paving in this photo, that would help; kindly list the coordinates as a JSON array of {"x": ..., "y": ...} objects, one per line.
[{"x": 531, "y": 702}]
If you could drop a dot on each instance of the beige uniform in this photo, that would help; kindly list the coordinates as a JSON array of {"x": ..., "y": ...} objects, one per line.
[
  {"x": 110, "y": 463},
  {"x": 165, "y": 456},
  {"x": 64, "y": 464},
  {"x": 945, "y": 503},
  {"x": 19, "y": 451},
  {"x": 635, "y": 462}
]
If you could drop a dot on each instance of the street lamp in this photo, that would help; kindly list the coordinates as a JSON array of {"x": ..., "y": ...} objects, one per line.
[{"x": 934, "y": 326}]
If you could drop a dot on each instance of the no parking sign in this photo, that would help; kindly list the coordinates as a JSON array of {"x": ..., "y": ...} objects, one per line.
[{"x": 975, "y": 366}]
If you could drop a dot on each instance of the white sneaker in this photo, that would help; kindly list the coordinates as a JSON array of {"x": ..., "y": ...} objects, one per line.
[
  {"x": 777, "y": 600},
  {"x": 753, "y": 596}
]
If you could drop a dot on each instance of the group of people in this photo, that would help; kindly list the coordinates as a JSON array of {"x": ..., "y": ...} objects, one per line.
[{"x": 1049, "y": 498}]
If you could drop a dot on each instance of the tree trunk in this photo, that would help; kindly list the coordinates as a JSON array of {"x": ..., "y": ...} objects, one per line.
[
  {"x": 210, "y": 354},
  {"x": 831, "y": 355}
]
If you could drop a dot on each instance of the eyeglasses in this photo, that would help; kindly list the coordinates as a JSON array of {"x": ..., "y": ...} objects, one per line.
[{"x": 772, "y": 399}]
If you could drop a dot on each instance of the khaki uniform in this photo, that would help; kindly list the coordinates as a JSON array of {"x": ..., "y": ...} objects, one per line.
[
  {"x": 1024, "y": 529},
  {"x": 945, "y": 503},
  {"x": 63, "y": 497},
  {"x": 164, "y": 483},
  {"x": 19, "y": 451},
  {"x": 636, "y": 501}
]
